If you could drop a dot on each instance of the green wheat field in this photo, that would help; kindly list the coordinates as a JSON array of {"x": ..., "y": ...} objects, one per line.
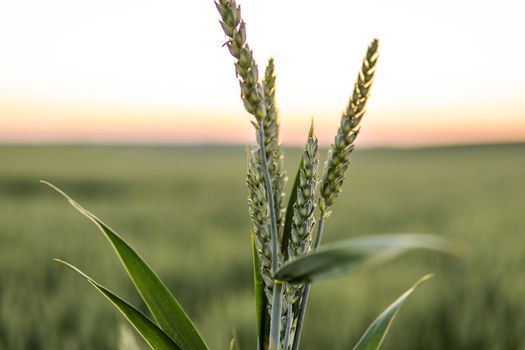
[{"x": 184, "y": 210}]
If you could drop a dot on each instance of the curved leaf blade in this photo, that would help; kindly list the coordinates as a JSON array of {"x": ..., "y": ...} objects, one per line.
[
  {"x": 287, "y": 229},
  {"x": 152, "y": 334},
  {"x": 165, "y": 309},
  {"x": 374, "y": 336},
  {"x": 349, "y": 255}
]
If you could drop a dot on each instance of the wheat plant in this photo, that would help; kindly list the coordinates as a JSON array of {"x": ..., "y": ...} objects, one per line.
[{"x": 286, "y": 242}]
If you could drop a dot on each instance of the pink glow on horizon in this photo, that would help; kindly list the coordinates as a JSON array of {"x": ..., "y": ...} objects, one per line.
[{"x": 41, "y": 124}]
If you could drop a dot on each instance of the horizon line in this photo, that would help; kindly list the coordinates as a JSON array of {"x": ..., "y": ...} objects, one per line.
[{"x": 196, "y": 144}]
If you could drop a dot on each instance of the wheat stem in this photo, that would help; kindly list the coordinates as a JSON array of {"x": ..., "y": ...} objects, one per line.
[
  {"x": 275, "y": 317},
  {"x": 288, "y": 327},
  {"x": 320, "y": 230},
  {"x": 339, "y": 158},
  {"x": 306, "y": 292},
  {"x": 253, "y": 96}
]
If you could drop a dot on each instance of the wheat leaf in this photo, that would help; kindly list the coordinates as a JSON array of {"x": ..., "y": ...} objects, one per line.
[
  {"x": 287, "y": 230},
  {"x": 152, "y": 334},
  {"x": 349, "y": 255},
  {"x": 376, "y": 333},
  {"x": 168, "y": 313}
]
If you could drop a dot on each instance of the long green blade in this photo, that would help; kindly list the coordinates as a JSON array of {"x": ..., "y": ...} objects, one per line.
[
  {"x": 261, "y": 303},
  {"x": 376, "y": 333},
  {"x": 287, "y": 229},
  {"x": 170, "y": 316},
  {"x": 152, "y": 334},
  {"x": 347, "y": 256}
]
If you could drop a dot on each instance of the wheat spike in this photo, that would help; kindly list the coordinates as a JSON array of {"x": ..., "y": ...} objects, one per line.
[
  {"x": 303, "y": 222},
  {"x": 303, "y": 210},
  {"x": 274, "y": 154},
  {"x": 258, "y": 99},
  {"x": 260, "y": 217},
  {"x": 340, "y": 150},
  {"x": 252, "y": 93}
]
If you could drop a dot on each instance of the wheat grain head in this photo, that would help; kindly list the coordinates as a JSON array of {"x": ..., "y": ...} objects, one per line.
[
  {"x": 274, "y": 154},
  {"x": 340, "y": 150}
]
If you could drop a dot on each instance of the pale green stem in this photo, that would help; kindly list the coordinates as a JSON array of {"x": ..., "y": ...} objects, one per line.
[
  {"x": 288, "y": 326},
  {"x": 275, "y": 319},
  {"x": 320, "y": 230},
  {"x": 306, "y": 292}
]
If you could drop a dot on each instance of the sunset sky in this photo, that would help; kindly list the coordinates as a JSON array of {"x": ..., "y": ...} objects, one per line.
[{"x": 450, "y": 71}]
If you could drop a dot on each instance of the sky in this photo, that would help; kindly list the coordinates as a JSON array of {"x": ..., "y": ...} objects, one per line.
[{"x": 450, "y": 71}]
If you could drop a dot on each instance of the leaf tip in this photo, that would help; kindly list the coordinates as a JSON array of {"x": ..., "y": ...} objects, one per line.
[
  {"x": 424, "y": 279},
  {"x": 49, "y": 184}
]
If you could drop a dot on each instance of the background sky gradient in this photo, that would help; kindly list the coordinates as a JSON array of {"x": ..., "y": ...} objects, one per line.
[{"x": 155, "y": 71}]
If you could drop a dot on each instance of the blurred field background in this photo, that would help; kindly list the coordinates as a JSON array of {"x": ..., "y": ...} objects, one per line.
[
  {"x": 184, "y": 209},
  {"x": 135, "y": 75}
]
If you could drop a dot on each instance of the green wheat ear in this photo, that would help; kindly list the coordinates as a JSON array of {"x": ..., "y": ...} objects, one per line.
[
  {"x": 252, "y": 92},
  {"x": 303, "y": 220},
  {"x": 260, "y": 217},
  {"x": 302, "y": 227},
  {"x": 272, "y": 145},
  {"x": 343, "y": 145}
]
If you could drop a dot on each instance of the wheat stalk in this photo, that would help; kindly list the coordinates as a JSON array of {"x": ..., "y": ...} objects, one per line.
[
  {"x": 253, "y": 96},
  {"x": 339, "y": 158},
  {"x": 259, "y": 100},
  {"x": 303, "y": 222}
]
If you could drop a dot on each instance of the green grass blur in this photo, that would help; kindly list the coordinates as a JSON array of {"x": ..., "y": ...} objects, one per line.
[{"x": 184, "y": 210}]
